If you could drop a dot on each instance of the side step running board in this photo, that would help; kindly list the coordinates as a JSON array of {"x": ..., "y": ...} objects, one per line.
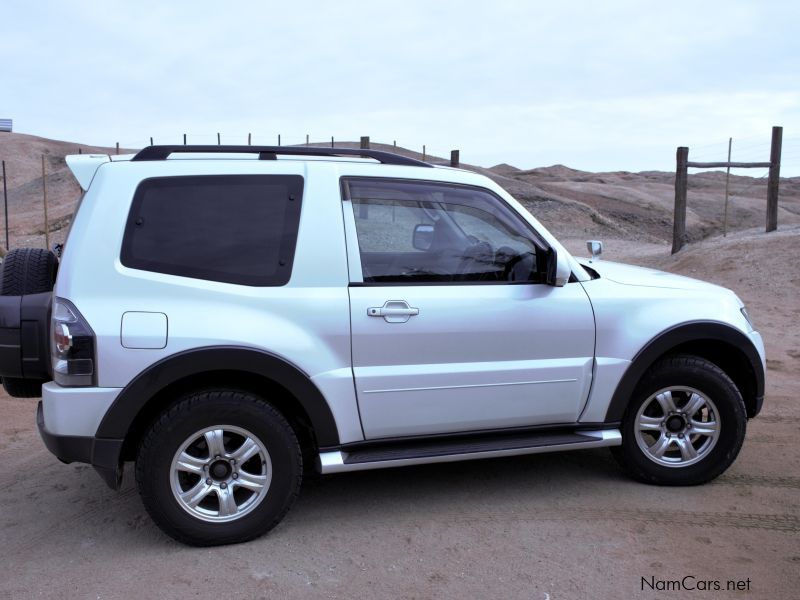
[{"x": 433, "y": 451}]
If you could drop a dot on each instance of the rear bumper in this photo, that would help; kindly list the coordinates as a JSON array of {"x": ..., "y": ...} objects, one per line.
[
  {"x": 102, "y": 454},
  {"x": 75, "y": 411}
]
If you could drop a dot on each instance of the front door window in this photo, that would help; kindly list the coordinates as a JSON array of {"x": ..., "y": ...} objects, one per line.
[{"x": 416, "y": 232}]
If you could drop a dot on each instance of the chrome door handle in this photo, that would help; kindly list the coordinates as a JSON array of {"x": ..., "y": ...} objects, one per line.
[{"x": 393, "y": 311}]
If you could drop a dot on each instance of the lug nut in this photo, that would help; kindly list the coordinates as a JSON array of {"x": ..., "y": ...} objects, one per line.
[
  {"x": 680, "y": 435},
  {"x": 233, "y": 461},
  {"x": 223, "y": 485},
  {"x": 208, "y": 481},
  {"x": 235, "y": 476}
]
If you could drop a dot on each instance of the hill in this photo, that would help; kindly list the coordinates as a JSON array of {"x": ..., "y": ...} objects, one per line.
[{"x": 571, "y": 203}]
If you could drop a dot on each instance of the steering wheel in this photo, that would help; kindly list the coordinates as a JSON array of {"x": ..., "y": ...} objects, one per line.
[
  {"x": 508, "y": 258},
  {"x": 478, "y": 252}
]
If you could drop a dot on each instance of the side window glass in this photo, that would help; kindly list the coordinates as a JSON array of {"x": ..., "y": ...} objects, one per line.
[
  {"x": 386, "y": 225},
  {"x": 427, "y": 232},
  {"x": 238, "y": 229}
]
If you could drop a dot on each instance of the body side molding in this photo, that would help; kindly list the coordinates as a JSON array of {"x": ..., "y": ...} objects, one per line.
[{"x": 697, "y": 331}]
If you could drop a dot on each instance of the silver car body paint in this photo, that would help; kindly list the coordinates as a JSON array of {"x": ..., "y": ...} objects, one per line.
[{"x": 474, "y": 357}]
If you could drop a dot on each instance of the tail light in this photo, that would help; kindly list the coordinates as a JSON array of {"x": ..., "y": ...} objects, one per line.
[{"x": 72, "y": 346}]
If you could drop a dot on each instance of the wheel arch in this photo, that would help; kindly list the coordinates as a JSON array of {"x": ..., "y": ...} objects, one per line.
[
  {"x": 288, "y": 388},
  {"x": 728, "y": 348}
]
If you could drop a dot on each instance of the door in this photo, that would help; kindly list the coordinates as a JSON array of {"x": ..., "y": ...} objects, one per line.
[{"x": 453, "y": 327}]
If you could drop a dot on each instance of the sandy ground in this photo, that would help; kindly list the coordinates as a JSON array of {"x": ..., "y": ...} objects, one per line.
[{"x": 553, "y": 526}]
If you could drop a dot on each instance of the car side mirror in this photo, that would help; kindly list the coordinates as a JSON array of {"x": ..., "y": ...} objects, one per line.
[
  {"x": 423, "y": 237},
  {"x": 595, "y": 248},
  {"x": 558, "y": 269}
]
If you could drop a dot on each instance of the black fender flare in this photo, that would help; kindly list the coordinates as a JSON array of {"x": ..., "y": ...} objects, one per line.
[
  {"x": 133, "y": 398},
  {"x": 697, "y": 331}
]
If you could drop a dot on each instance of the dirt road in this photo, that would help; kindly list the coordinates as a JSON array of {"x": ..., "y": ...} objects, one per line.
[{"x": 549, "y": 526}]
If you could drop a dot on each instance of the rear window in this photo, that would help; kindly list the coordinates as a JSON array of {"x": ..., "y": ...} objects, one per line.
[{"x": 231, "y": 228}]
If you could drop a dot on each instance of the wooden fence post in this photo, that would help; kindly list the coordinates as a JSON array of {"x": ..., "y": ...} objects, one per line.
[
  {"x": 184, "y": 139},
  {"x": 424, "y": 153},
  {"x": 5, "y": 202},
  {"x": 117, "y": 149},
  {"x": 363, "y": 207},
  {"x": 279, "y": 139},
  {"x": 681, "y": 181},
  {"x": 306, "y": 139},
  {"x": 727, "y": 190},
  {"x": 774, "y": 179},
  {"x": 331, "y": 141},
  {"x": 249, "y": 138},
  {"x": 454, "y": 158},
  {"x": 46, "y": 221},
  {"x": 219, "y": 139}
]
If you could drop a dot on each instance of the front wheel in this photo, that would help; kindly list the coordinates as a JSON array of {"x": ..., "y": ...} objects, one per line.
[
  {"x": 685, "y": 424},
  {"x": 219, "y": 467}
]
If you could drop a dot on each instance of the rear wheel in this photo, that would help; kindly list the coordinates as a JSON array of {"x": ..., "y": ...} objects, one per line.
[
  {"x": 27, "y": 271},
  {"x": 685, "y": 424},
  {"x": 219, "y": 467}
]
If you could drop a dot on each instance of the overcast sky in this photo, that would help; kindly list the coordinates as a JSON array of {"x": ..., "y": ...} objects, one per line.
[{"x": 609, "y": 85}]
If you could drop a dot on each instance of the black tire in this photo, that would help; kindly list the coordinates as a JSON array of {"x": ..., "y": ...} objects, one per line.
[
  {"x": 27, "y": 271},
  {"x": 188, "y": 417},
  {"x": 721, "y": 421}
]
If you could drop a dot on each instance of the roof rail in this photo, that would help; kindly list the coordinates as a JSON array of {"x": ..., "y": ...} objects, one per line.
[{"x": 271, "y": 152}]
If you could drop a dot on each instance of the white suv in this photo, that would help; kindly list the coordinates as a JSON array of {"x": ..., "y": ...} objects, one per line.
[{"x": 226, "y": 316}]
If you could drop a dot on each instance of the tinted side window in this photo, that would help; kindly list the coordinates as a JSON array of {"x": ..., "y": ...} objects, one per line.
[
  {"x": 411, "y": 231},
  {"x": 230, "y": 228}
]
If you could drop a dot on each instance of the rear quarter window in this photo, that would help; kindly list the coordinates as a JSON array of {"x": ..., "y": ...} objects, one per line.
[{"x": 238, "y": 229}]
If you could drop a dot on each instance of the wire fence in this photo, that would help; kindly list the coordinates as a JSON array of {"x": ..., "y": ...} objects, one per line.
[
  {"x": 272, "y": 139},
  {"x": 745, "y": 149},
  {"x": 683, "y": 164},
  {"x": 35, "y": 186},
  {"x": 749, "y": 149},
  {"x": 753, "y": 148}
]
